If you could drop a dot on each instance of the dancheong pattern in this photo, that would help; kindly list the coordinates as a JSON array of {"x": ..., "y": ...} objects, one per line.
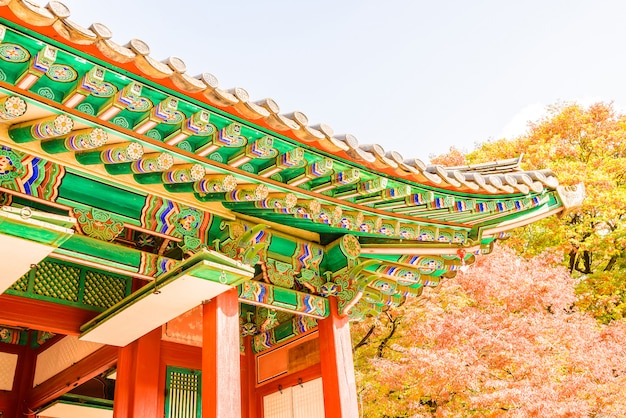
[
  {"x": 334, "y": 220},
  {"x": 30, "y": 175},
  {"x": 171, "y": 218}
]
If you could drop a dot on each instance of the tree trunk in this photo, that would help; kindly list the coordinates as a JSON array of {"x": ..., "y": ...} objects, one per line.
[
  {"x": 383, "y": 343},
  {"x": 586, "y": 258},
  {"x": 572, "y": 260}
]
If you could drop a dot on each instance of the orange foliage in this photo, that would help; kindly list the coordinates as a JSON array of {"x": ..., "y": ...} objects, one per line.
[
  {"x": 454, "y": 157},
  {"x": 579, "y": 144},
  {"x": 502, "y": 339}
]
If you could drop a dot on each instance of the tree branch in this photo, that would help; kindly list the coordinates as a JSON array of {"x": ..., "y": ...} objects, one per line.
[
  {"x": 365, "y": 338},
  {"x": 383, "y": 343},
  {"x": 611, "y": 263}
]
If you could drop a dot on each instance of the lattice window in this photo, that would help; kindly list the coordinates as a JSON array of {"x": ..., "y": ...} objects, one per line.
[
  {"x": 183, "y": 393},
  {"x": 22, "y": 284},
  {"x": 72, "y": 285},
  {"x": 57, "y": 281},
  {"x": 305, "y": 400},
  {"x": 102, "y": 290},
  {"x": 278, "y": 404},
  {"x": 308, "y": 400}
]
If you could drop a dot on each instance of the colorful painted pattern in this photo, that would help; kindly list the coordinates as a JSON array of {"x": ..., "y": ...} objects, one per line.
[
  {"x": 269, "y": 295},
  {"x": 40, "y": 338},
  {"x": 198, "y": 124},
  {"x": 277, "y": 201},
  {"x": 320, "y": 168},
  {"x": 10, "y": 165},
  {"x": 307, "y": 255},
  {"x": 230, "y": 136},
  {"x": 50, "y": 127},
  {"x": 13, "y": 53},
  {"x": 288, "y": 330},
  {"x": 167, "y": 217},
  {"x": 62, "y": 73},
  {"x": 154, "y": 265},
  {"x": 166, "y": 111},
  {"x": 216, "y": 184},
  {"x": 123, "y": 153},
  {"x": 30, "y": 175},
  {"x": 9, "y": 335},
  {"x": 246, "y": 243},
  {"x": 294, "y": 158},
  {"x": 247, "y": 193},
  {"x": 262, "y": 148},
  {"x": 403, "y": 276},
  {"x": 185, "y": 173},
  {"x": 280, "y": 274},
  {"x": 98, "y": 224},
  {"x": 44, "y": 59},
  {"x": 296, "y": 265},
  {"x": 152, "y": 163},
  {"x": 86, "y": 139},
  {"x": 93, "y": 83},
  {"x": 12, "y": 107}
]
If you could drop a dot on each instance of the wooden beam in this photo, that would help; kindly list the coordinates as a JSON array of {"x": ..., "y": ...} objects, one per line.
[
  {"x": 337, "y": 365},
  {"x": 221, "y": 376},
  {"x": 75, "y": 375},
  {"x": 45, "y": 316},
  {"x": 138, "y": 373},
  {"x": 181, "y": 355}
]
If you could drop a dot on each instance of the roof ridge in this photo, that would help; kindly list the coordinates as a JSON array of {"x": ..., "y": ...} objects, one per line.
[{"x": 265, "y": 112}]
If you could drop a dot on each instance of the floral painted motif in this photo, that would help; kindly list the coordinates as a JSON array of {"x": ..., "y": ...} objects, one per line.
[
  {"x": 62, "y": 73},
  {"x": 14, "y": 53},
  {"x": 350, "y": 246},
  {"x": 280, "y": 274},
  {"x": 98, "y": 224},
  {"x": 12, "y": 107},
  {"x": 186, "y": 223},
  {"x": 103, "y": 89},
  {"x": 139, "y": 104}
]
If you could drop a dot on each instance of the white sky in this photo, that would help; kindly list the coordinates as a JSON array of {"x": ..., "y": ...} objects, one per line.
[{"x": 414, "y": 76}]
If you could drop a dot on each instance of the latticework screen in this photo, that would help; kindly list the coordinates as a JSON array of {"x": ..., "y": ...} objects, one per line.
[
  {"x": 183, "y": 393},
  {"x": 305, "y": 400},
  {"x": 308, "y": 400},
  {"x": 278, "y": 405}
]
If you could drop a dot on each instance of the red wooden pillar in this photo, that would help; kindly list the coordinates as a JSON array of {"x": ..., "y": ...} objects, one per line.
[
  {"x": 337, "y": 365},
  {"x": 137, "y": 385},
  {"x": 26, "y": 370},
  {"x": 13, "y": 403},
  {"x": 248, "y": 381},
  {"x": 221, "y": 376}
]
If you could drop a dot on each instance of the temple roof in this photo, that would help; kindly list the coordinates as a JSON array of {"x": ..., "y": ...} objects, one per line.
[
  {"x": 149, "y": 161},
  {"x": 55, "y": 20}
]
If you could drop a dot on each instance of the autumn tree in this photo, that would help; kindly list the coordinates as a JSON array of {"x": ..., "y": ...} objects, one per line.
[
  {"x": 585, "y": 145},
  {"x": 502, "y": 339}
]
